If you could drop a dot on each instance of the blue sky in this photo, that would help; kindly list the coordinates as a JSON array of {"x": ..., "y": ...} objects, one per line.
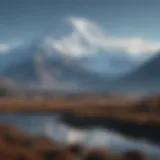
[{"x": 136, "y": 22}]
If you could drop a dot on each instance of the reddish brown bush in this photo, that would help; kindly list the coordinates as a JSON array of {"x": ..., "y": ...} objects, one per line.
[
  {"x": 98, "y": 154},
  {"x": 77, "y": 149},
  {"x": 65, "y": 155},
  {"x": 134, "y": 155},
  {"x": 17, "y": 153}
]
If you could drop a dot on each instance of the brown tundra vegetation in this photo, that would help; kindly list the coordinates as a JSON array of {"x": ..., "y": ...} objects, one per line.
[{"x": 144, "y": 110}]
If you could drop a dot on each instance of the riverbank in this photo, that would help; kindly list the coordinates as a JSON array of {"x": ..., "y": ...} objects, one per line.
[
  {"x": 16, "y": 145},
  {"x": 148, "y": 132}
]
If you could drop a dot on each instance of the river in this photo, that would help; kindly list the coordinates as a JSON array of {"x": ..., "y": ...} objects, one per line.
[{"x": 52, "y": 125}]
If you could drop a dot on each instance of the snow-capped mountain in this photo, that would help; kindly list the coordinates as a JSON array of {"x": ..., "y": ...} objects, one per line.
[
  {"x": 32, "y": 66},
  {"x": 37, "y": 66}
]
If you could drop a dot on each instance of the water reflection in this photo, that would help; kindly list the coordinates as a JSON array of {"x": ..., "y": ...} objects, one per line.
[{"x": 52, "y": 126}]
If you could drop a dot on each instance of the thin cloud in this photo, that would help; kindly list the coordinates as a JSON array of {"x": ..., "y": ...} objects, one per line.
[
  {"x": 88, "y": 38},
  {"x": 4, "y": 47},
  {"x": 8, "y": 46}
]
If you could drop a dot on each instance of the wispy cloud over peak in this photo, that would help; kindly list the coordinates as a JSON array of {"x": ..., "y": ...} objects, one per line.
[
  {"x": 88, "y": 38},
  {"x": 92, "y": 33}
]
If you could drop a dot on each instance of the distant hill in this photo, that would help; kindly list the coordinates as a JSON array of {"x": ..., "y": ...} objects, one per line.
[
  {"x": 9, "y": 88},
  {"x": 144, "y": 79}
]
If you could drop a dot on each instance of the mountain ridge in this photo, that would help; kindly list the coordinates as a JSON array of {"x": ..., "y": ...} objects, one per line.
[{"x": 145, "y": 78}]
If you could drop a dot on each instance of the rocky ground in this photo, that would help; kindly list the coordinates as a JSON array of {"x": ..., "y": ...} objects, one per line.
[{"x": 18, "y": 145}]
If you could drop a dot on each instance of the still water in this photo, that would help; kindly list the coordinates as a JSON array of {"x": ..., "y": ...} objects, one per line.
[{"x": 52, "y": 125}]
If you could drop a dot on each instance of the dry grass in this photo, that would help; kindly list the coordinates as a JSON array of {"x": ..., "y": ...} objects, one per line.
[
  {"x": 53, "y": 104},
  {"x": 126, "y": 109}
]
